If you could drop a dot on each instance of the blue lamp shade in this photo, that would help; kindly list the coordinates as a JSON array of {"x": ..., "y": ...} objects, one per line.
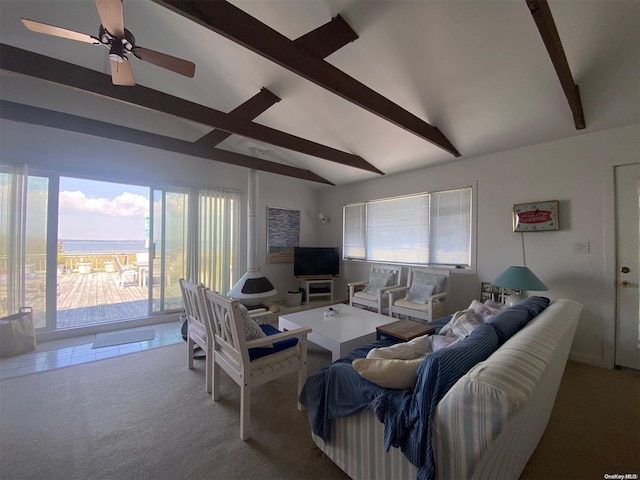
[{"x": 520, "y": 278}]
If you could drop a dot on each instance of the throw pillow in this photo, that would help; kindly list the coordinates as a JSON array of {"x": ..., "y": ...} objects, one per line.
[
  {"x": 510, "y": 320},
  {"x": 417, "y": 347},
  {"x": 483, "y": 310},
  {"x": 252, "y": 330},
  {"x": 425, "y": 278},
  {"x": 462, "y": 324},
  {"x": 377, "y": 280},
  {"x": 389, "y": 373},
  {"x": 419, "y": 293}
]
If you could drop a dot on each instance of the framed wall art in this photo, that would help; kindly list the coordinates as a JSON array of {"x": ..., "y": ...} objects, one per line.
[
  {"x": 283, "y": 234},
  {"x": 535, "y": 216}
]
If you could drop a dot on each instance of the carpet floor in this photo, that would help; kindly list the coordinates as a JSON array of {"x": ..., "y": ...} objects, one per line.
[{"x": 146, "y": 416}]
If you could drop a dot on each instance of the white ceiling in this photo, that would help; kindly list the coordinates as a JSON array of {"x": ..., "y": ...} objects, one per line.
[{"x": 477, "y": 70}]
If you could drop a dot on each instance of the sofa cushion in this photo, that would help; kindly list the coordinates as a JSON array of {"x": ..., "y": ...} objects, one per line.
[
  {"x": 418, "y": 307},
  {"x": 389, "y": 372},
  {"x": 510, "y": 320},
  {"x": 259, "y": 352},
  {"x": 417, "y": 347}
]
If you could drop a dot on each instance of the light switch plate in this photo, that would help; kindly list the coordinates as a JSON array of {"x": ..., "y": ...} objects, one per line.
[{"x": 581, "y": 247}]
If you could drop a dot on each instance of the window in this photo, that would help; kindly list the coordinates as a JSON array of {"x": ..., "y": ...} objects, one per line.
[{"x": 423, "y": 229}]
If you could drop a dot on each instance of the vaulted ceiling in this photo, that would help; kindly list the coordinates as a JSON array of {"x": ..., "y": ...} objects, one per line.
[{"x": 332, "y": 91}]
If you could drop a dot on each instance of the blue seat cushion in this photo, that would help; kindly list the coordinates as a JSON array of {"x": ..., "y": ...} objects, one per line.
[{"x": 255, "y": 353}]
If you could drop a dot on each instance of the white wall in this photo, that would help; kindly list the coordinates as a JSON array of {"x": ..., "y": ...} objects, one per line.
[{"x": 578, "y": 172}]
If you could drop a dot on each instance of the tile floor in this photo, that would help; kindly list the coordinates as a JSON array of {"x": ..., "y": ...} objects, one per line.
[{"x": 72, "y": 351}]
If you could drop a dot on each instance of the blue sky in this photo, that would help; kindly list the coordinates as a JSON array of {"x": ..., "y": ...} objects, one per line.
[{"x": 91, "y": 210}]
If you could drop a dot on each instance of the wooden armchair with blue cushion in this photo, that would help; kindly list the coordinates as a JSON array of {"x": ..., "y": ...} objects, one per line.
[
  {"x": 424, "y": 297},
  {"x": 251, "y": 354},
  {"x": 373, "y": 292}
]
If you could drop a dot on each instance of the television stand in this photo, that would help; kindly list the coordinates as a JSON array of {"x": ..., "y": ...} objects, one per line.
[{"x": 318, "y": 287}]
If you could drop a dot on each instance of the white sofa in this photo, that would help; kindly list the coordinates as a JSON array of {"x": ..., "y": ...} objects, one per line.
[{"x": 488, "y": 424}]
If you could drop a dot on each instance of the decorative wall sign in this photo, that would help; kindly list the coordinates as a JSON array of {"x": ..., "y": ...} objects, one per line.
[
  {"x": 283, "y": 233},
  {"x": 535, "y": 216}
]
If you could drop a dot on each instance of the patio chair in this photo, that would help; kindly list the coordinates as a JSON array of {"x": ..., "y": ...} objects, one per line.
[
  {"x": 424, "y": 297},
  {"x": 126, "y": 274},
  {"x": 198, "y": 329},
  {"x": 251, "y": 363},
  {"x": 373, "y": 292}
]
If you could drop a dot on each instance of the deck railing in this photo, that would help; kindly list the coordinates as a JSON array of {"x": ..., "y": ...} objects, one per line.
[{"x": 100, "y": 262}]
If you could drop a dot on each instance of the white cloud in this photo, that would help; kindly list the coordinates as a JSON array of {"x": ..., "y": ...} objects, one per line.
[{"x": 124, "y": 205}]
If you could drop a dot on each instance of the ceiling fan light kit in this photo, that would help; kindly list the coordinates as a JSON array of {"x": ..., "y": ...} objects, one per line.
[{"x": 119, "y": 41}]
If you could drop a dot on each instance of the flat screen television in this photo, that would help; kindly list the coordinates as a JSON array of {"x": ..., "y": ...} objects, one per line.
[{"x": 316, "y": 261}]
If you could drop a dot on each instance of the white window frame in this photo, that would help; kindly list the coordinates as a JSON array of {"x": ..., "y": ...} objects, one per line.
[{"x": 409, "y": 229}]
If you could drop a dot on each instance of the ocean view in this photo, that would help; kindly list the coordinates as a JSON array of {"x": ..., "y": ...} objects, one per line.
[{"x": 103, "y": 246}]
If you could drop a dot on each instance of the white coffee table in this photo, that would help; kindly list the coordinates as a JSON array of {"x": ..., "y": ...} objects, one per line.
[{"x": 350, "y": 329}]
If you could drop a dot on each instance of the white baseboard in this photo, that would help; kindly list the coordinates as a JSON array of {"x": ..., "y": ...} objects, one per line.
[{"x": 588, "y": 359}]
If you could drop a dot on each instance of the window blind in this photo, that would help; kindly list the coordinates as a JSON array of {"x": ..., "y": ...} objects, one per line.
[
  {"x": 218, "y": 239},
  {"x": 423, "y": 229}
]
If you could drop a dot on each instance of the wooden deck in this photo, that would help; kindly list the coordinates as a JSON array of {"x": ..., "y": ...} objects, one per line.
[{"x": 94, "y": 298}]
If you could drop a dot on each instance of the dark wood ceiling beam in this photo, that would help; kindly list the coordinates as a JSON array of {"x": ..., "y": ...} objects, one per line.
[
  {"x": 73, "y": 123},
  {"x": 322, "y": 41},
  {"x": 327, "y": 38},
  {"x": 39, "y": 66},
  {"x": 547, "y": 27},
  {"x": 250, "y": 109},
  {"x": 236, "y": 25}
]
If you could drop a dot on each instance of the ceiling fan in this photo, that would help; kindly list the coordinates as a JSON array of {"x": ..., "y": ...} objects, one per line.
[{"x": 119, "y": 41}]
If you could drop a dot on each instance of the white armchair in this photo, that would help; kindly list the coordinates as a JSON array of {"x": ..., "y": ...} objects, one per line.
[
  {"x": 372, "y": 293},
  {"x": 424, "y": 297}
]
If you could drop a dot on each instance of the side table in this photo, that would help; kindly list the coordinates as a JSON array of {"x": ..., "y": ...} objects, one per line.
[{"x": 403, "y": 330}]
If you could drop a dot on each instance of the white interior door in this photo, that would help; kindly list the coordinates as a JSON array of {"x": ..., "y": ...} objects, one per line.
[{"x": 628, "y": 266}]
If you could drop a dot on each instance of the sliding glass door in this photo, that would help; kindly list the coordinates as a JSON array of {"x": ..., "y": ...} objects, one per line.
[
  {"x": 84, "y": 252},
  {"x": 102, "y": 245},
  {"x": 23, "y": 242},
  {"x": 168, "y": 249}
]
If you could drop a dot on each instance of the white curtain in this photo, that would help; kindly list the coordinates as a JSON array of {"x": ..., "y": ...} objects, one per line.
[
  {"x": 13, "y": 210},
  {"x": 218, "y": 239}
]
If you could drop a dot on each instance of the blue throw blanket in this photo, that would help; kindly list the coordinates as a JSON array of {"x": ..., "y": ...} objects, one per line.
[{"x": 338, "y": 391}]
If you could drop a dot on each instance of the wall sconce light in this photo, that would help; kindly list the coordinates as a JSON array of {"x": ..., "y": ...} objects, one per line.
[{"x": 322, "y": 218}]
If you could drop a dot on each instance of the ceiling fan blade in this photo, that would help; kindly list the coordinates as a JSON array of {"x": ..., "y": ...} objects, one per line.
[
  {"x": 121, "y": 73},
  {"x": 112, "y": 16},
  {"x": 47, "y": 29},
  {"x": 175, "y": 64}
]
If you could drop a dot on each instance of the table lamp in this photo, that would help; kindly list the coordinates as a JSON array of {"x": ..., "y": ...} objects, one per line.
[{"x": 519, "y": 278}]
